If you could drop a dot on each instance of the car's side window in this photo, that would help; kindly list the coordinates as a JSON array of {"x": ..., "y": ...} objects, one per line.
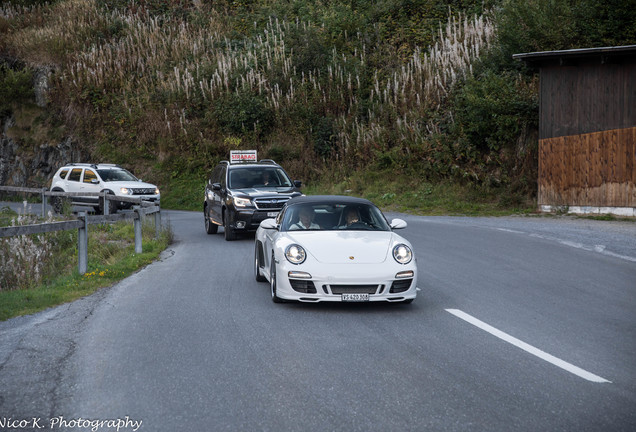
[
  {"x": 75, "y": 175},
  {"x": 222, "y": 179},
  {"x": 89, "y": 176},
  {"x": 279, "y": 218},
  {"x": 64, "y": 172}
]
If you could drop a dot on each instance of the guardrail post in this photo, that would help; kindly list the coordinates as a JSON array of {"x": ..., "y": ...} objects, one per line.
[
  {"x": 157, "y": 222},
  {"x": 82, "y": 244},
  {"x": 43, "y": 203},
  {"x": 106, "y": 204},
  {"x": 138, "y": 247}
]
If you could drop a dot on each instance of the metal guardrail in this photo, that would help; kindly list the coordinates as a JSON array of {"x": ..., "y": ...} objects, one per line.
[{"x": 140, "y": 210}]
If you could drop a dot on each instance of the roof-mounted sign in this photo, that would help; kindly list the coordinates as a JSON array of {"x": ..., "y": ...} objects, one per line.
[{"x": 242, "y": 156}]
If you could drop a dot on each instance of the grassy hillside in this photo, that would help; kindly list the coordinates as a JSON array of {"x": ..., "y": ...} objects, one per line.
[{"x": 367, "y": 96}]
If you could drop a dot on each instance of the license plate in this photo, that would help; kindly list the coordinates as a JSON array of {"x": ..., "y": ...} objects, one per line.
[
  {"x": 272, "y": 214},
  {"x": 355, "y": 297}
]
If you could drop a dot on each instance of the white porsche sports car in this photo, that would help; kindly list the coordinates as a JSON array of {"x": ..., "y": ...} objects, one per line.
[{"x": 334, "y": 248}]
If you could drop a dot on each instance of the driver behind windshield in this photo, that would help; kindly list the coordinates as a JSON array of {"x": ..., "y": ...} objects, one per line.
[{"x": 305, "y": 220}]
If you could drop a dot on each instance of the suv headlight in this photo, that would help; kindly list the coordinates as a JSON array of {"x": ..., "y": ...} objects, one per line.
[
  {"x": 126, "y": 191},
  {"x": 402, "y": 254},
  {"x": 295, "y": 254},
  {"x": 242, "y": 202},
  {"x": 156, "y": 191}
]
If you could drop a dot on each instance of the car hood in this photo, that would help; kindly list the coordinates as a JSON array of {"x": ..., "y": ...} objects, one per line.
[
  {"x": 129, "y": 184},
  {"x": 267, "y": 192},
  {"x": 340, "y": 247}
]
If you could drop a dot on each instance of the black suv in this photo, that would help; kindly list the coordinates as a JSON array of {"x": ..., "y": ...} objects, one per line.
[{"x": 241, "y": 195}]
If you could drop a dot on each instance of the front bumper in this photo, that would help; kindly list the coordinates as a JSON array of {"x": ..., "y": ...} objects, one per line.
[
  {"x": 148, "y": 198},
  {"x": 249, "y": 219},
  {"x": 328, "y": 282}
]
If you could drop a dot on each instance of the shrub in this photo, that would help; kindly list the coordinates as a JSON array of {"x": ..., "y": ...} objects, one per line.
[{"x": 15, "y": 85}]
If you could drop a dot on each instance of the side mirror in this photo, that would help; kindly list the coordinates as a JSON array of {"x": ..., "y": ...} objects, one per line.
[
  {"x": 298, "y": 184},
  {"x": 269, "y": 224},
  {"x": 398, "y": 224},
  {"x": 216, "y": 186}
]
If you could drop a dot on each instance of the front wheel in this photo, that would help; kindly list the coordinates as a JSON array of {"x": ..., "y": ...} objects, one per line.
[
  {"x": 58, "y": 203},
  {"x": 112, "y": 205},
  {"x": 229, "y": 232},
  {"x": 272, "y": 282},
  {"x": 257, "y": 266},
  {"x": 210, "y": 228}
]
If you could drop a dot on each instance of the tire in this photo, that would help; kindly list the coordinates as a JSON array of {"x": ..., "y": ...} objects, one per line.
[
  {"x": 272, "y": 282},
  {"x": 229, "y": 232},
  {"x": 112, "y": 205},
  {"x": 210, "y": 228},
  {"x": 58, "y": 203},
  {"x": 257, "y": 266}
]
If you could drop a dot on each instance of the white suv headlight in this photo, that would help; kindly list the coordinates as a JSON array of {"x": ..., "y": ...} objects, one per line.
[
  {"x": 402, "y": 254},
  {"x": 295, "y": 254},
  {"x": 126, "y": 191}
]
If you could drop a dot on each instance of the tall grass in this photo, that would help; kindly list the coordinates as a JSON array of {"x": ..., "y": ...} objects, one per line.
[{"x": 177, "y": 89}]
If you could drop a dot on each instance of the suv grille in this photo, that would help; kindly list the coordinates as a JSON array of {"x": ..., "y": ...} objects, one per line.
[
  {"x": 143, "y": 191},
  {"x": 270, "y": 203},
  {"x": 354, "y": 289}
]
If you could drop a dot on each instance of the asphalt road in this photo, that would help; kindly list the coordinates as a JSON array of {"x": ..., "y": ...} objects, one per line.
[{"x": 522, "y": 324}]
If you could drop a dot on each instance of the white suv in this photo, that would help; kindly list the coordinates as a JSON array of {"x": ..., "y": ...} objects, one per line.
[{"x": 78, "y": 177}]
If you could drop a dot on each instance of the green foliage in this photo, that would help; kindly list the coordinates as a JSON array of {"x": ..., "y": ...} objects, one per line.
[
  {"x": 492, "y": 109},
  {"x": 243, "y": 113},
  {"x": 111, "y": 258},
  {"x": 16, "y": 86},
  {"x": 324, "y": 136}
]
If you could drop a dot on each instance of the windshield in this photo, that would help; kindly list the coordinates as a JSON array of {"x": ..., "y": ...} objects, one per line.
[
  {"x": 254, "y": 177},
  {"x": 330, "y": 217},
  {"x": 119, "y": 174}
]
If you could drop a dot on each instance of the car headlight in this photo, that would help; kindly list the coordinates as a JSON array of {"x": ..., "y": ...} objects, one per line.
[
  {"x": 242, "y": 202},
  {"x": 402, "y": 254},
  {"x": 156, "y": 191},
  {"x": 126, "y": 191},
  {"x": 295, "y": 254}
]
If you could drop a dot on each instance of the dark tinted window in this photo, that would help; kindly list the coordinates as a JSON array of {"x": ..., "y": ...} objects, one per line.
[
  {"x": 89, "y": 176},
  {"x": 258, "y": 177},
  {"x": 75, "y": 174},
  {"x": 116, "y": 174}
]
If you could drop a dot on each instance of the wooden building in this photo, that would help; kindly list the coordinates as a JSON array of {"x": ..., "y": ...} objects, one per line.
[{"x": 587, "y": 129}]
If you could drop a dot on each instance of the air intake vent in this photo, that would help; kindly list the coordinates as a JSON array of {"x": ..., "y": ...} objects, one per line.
[
  {"x": 399, "y": 286},
  {"x": 303, "y": 286}
]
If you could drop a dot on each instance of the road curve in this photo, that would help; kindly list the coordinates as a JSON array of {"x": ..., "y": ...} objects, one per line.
[{"x": 511, "y": 310}]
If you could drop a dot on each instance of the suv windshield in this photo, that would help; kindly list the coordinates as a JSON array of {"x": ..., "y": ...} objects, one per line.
[
  {"x": 257, "y": 177},
  {"x": 329, "y": 217},
  {"x": 116, "y": 175}
]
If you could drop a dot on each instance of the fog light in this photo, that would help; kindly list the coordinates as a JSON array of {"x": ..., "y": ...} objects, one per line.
[
  {"x": 240, "y": 224},
  {"x": 404, "y": 274},
  {"x": 299, "y": 275}
]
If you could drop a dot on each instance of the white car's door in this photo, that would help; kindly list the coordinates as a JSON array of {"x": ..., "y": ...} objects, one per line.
[
  {"x": 90, "y": 183},
  {"x": 73, "y": 180}
]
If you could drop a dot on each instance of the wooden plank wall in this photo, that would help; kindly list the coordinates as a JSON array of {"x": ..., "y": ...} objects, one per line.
[
  {"x": 587, "y": 98},
  {"x": 594, "y": 169}
]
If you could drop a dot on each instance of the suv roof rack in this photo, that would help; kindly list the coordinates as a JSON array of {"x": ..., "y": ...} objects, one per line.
[
  {"x": 268, "y": 161},
  {"x": 92, "y": 165}
]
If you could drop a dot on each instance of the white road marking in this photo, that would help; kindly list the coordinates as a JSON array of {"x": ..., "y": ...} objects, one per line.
[{"x": 528, "y": 348}]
